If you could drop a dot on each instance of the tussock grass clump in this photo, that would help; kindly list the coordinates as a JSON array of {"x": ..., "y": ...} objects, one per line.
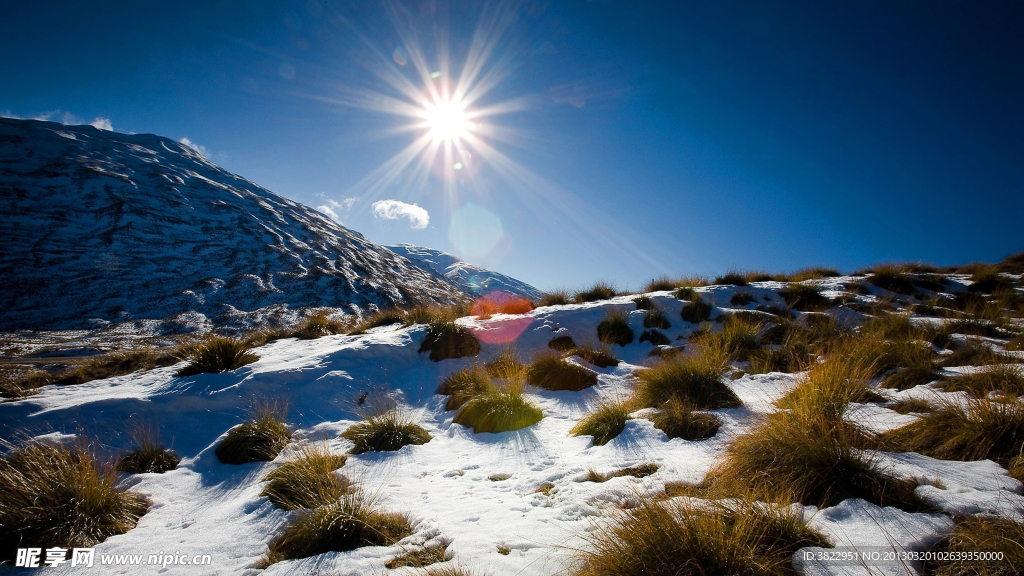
[
  {"x": 908, "y": 378},
  {"x": 446, "y": 339},
  {"x": 149, "y": 456},
  {"x": 353, "y": 521},
  {"x": 599, "y": 291},
  {"x": 741, "y": 299},
  {"x": 977, "y": 430},
  {"x": 1000, "y": 378},
  {"x": 911, "y": 406},
  {"x": 503, "y": 363},
  {"x": 606, "y": 421},
  {"x": 638, "y": 471},
  {"x": 217, "y": 355},
  {"x": 551, "y": 372},
  {"x": 555, "y": 298},
  {"x": 685, "y": 293},
  {"x": 696, "y": 379},
  {"x": 421, "y": 557},
  {"x": 975, "y": 353},
  {"x": 1016, "y": 344},
  {"x": 830, "y": 387},
  {"x": 990, "y": 281},
  {"x": 385, "y": 428},
  {"x": 377, "y": 319},
  {"x": 678, "y": 419},
  {"x": 655, "y": 318},
  {"x": 696, "y": 310},
  {"x": 451, "y": 569},
  {"x": 660, "y": 284},
  {"x": 805, "y": 297},
  {"x": 655, "y": 337},
  {"x": 259, "y": 439},
  {"x": 499, "y": 407},
  {"x": 883, "y": 355},
  {"x": 792, "y": 356},
  {"x": 119, "y": 363},
  {"x": 978, "y": 534},
  {"x": 810, "y": 457},
  {"x": 16, "y": 382},
  {"x": 686, "y": 538},
  {"x": 892, "y": 327},
  {"x": 307, "y": 480},
  {"x": 614, "y": 329},
  {"x": 812, "y": 274},
  {"x": 737, "y": 339},
  {"x": 434, "y": 314},
  {"x": 319, "y": 325},
  {"x": 731, "y": 278},
  {"x": 644, "y": 303},
  {"x": 462, "y": 385},
  {"x": 600, "y": 357},
  {"x": 562, "y": 343},
  {"x": 893, "y": 279},
  {"x": 57, "y": 495}
]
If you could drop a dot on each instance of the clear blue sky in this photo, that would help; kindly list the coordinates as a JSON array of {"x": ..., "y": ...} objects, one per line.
[{"x": 648, "y": 138}]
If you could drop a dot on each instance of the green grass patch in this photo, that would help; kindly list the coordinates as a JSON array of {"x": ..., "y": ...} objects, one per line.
[
  {"x": 499, "y": 407},
  {"x": 259, "y": 439}
]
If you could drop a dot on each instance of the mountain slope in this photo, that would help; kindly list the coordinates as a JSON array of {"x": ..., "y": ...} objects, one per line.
[
  {"x": 99, "y": 226},
  {"x": 474, "y": 279}
]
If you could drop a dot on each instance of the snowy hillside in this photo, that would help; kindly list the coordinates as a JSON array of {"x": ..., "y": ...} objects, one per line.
[
  {"x": 474, "y": 279},
  {"x": 522, "y": 502},
  {"x": 103, "y": 227}
]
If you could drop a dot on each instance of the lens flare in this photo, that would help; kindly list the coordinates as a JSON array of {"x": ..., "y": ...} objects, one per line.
[{"x": 506, "y": 329}]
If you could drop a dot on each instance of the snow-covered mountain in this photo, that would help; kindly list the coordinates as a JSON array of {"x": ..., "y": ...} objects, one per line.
[
  {"x": 98, "y": 227},
  {"x": 473, "y": 279}
]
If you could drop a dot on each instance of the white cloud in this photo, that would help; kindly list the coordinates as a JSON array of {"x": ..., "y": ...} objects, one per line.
[
  {"x": 336, "y": 210},
  {"x": 197, "y": 148},
  {"x": 101, "y": 123},
  {"x": 9, "y": 114},
  {"x": 328, "y": 211},
  {"x": 395, "y": 209}
]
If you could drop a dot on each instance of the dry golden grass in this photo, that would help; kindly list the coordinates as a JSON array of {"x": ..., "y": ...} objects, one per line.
[
  {"x": 638, "y": 471},
  {"x": 604, "y": 422},
  {"x": 977, "y": 534},
  {"x": 385, "y": 429},
  {"x": 805, "y": 297},
  {"x": 911, "y": 406},
  {"x": 551, "y": 372},
  {"x": 555, "y": 298},
  {"x": 737, "y": 339},
  {"x": 58, "y": 495},
  {"x": 599, "y": 291},
  {"x": 977, "y": 430},
  {"x": 678, "y": 419},
  {"x": 353, "y": 521},
  {"x": 259, "y": 439},
  {"x": 700, "y": 539},
  {"x": 446, "y": 339},
  {"x": 319, "y": 325},
  {"x": 462, "y": 385},
  {"x": 420, "y": 557},
  {"x": 499, "y": 405},
  {"x": 149, "y": 454},
  {"x": 696, "y": 379},
  {"x": 217, "y": 354},
  {"x": 1002, "y": 379},
  {"x": 307, "y": 480}
]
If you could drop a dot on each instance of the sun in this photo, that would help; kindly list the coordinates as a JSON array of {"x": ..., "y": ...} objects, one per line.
[{"x": 447, "y": 120}]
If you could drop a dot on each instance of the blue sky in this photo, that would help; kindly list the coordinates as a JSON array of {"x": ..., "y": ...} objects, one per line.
[{"x": 642, "y": 138}]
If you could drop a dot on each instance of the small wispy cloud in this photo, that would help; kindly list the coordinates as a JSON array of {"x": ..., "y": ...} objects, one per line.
[
  {"x": 101, "y": 123},
  {"x": 197, "y": 148},
  {"x": 336, "y": 209},
  {"x": 395, "y": 209}
]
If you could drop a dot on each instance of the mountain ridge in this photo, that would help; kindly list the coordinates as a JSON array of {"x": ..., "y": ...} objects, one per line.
[{"x": 101, "y": 227}]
